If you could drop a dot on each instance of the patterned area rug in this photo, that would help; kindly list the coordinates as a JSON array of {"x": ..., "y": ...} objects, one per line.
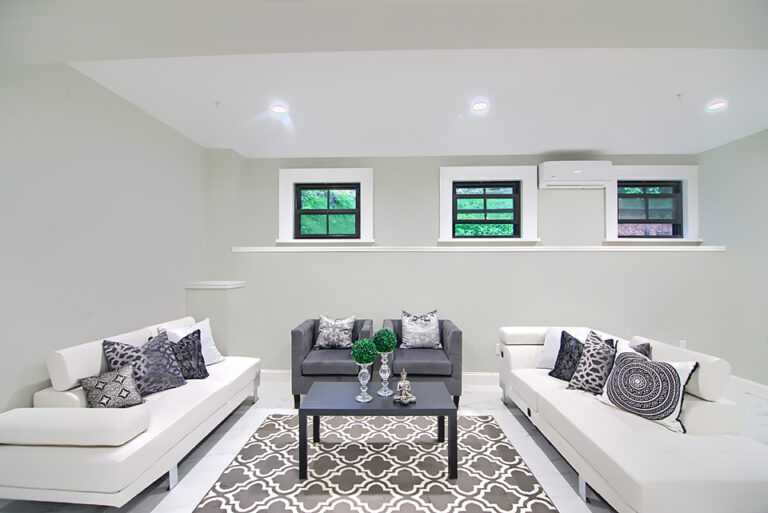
[{"x": 377, "y": 465}]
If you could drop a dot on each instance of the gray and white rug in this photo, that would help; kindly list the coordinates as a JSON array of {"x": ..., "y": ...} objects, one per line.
[{"x": 377, "y": 465}]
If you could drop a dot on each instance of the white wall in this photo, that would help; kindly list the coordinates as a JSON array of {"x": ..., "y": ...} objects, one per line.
[
  {"x": 668, "y": 296},
  {"x": 101, "y": 218},
  {"x": 734, "y": 182}
]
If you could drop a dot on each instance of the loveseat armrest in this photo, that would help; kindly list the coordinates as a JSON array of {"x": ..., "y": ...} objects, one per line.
[
  {"x": 302, "y": 340},
  {"x": 52, "y": 398},
  {"x": 451, "y": 337},
  {"x": 366, "y": 330}
]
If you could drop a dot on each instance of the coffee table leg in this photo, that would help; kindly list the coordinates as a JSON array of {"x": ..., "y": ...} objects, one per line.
[
  {"x": 315, "y": 428},
  {"x": 453, "y": 447},
  {"x": 441, "y": 428},
  {"x": 302, "y": 446}
]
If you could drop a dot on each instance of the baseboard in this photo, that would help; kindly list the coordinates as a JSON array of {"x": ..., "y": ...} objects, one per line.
[
  {"x": 750, "y": 387},
  {"x": 469, "y": 378}
]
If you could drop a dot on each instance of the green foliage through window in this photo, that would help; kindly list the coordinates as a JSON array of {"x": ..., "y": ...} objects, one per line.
[
  {"x": 486, "y": 209},
  {"x": 650, "y": 209},
  {"x": 327, "y": 211}
]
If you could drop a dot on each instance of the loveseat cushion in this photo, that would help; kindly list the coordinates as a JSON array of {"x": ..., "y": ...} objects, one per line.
[
  {"x": 73, "y": 426},
  {"x": 654, "y": 469},
  {"x": 329, "y": 362},
  {"x": 422, "y": 362}
]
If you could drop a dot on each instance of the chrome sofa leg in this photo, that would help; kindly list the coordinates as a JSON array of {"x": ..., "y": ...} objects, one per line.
[
  {"x": 173, "y": 477},
  {"x": 583, "y": 489}
]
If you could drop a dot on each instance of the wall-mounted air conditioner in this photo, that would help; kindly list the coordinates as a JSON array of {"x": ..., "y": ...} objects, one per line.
[{"x": 575, "y": 174}]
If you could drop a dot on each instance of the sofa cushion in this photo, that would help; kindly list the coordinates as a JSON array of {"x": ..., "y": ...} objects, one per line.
[
  {"x": 549, "y": 353},
  {"x": 420, "y": 331},
  {"x": 211, "y": 353},
  {"x": 422, "y": 362},
  {"x": 709, "y": 380},
  {"x": 72, "y": 426},
  {"x": 654, "y": 469},
  {"x": 334, "y": 333},
  {"x": 529, "y": 382},
  {"x": 189, "y": 353},
  {"x": 568, "y": 357},
  {"x": 174, "y": 414},
  {"x": 329, "y": 362}
]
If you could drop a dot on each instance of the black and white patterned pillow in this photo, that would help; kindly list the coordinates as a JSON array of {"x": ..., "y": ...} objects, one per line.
[
  {"x": 113, "y": 389},
  {"x": 335, "y": 333},
  {"x": 649, "y": 389},
  {"x": 155, "y": 367},
  {"x": 567, "y": 358},
  {"x": 420, "y": 331},
  {"x": 595, "y": 364},
  {"x": 189, "y": 354}
]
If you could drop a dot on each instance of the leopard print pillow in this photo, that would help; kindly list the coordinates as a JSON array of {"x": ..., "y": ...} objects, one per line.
[
  {"x": 155, "y": 367},
  {"x": 595, "y": 365}
]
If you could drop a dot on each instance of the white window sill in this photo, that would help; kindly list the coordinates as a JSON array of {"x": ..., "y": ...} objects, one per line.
[
  {"x": 651, "y": 241},
  {"x": 323, "y": 242},
  {"x": 491, "y": 241}
]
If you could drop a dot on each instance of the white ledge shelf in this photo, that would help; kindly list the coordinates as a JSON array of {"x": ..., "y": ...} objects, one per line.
[
  {"x": 215, "y": 285},
  {"x": 325, "y": 242},
  {"x": 490, "y": 242},
  {"x": 477, "y": 249},
  {"x": 650, "y": 242}
]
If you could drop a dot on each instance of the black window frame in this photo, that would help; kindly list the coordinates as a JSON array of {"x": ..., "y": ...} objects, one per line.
[
  {"x": 516, "y": 211},
  {"x": 677, "y": 195},
  {"x": 298, "y": 211}
]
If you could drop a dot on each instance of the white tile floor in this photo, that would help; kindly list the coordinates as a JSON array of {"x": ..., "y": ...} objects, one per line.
[{"x": 200, "y": 470}]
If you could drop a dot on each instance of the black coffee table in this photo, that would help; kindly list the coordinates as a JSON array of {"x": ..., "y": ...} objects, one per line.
[{"x": 338, "y": 398}]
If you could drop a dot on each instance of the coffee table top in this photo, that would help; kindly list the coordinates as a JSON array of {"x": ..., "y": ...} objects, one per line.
[{"x": 338, "y": 398}]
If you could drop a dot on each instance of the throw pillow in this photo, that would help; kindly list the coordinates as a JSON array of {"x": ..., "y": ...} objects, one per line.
[
  {"x": 652, "y": 390},
  {"x": 211, "y": 353},
  {"x": 595, "y": 364},
  {"x": 420, "y": 331},
  {"x": 154, "y": 365},
  {"x": 189, "y": 353},
  {"x": 335, "y": 333},
  {"x": 567, "y": 358},
  {"x": 113, "y": 389},
  {"x": 549, "y": 352}
]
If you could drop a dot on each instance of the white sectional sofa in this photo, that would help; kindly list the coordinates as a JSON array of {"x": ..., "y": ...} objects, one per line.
[
  {"x": 62, "y": 451},
  {"x": 637, "y": 465}
]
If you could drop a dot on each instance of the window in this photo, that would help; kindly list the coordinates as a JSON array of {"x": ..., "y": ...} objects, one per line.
[
  {"x": 327, "y": 211},
  {"x": 336, "y": 207},
  {"x": 650, "y": 209},
  {"x": 488, "y": 204},
  {"x": 486, "y": 209}
]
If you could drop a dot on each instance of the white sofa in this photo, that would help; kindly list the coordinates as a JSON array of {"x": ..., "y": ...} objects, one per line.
[
  {"x": 48, "y": 453},
  {"x": 639, "y": 466}
]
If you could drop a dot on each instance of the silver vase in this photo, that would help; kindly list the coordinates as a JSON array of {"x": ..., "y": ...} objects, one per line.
[
  {"x": 364, "y": 376},
  {"x": 385, "y": 372}
]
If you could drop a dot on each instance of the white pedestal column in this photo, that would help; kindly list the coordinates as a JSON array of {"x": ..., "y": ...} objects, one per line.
[{"x": 223, "y": 302}]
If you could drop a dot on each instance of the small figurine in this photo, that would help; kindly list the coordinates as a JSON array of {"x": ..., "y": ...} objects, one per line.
[{"x": 404, "y": 396}]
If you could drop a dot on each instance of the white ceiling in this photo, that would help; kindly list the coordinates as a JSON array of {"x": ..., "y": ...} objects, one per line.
[{"x": 391, "y": 103}]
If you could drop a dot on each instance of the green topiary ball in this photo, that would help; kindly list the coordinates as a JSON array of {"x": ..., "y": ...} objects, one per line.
[
  {"x": 385, "y": 340},
  {"x": 364, "y": 351}
]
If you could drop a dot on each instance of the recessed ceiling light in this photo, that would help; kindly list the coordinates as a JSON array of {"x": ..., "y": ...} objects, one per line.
[
  {"x": 279, "y": 108},
  {"x": 716, "y": 105},
  {"x": 480, "y": 105}
]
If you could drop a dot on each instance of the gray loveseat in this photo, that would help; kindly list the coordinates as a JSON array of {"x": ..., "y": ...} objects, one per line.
[
  {"x": 309, "y": 365},
  {"x": 431, "y": 364}
]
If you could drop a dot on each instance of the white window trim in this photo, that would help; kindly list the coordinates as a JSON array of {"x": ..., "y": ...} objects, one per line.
[
  {"x": 290, "y": 177},
  {"x": 688, "y": 175},
  {"x": 529, "y": 200}
]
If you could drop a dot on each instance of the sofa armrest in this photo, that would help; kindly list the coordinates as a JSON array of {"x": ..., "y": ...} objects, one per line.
[
  {"x": 388, "y": 324},
  {"x": 366, "y": 331},
  {"x": 302, "y": 340},
  {"x": 52, "y": 398}
]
